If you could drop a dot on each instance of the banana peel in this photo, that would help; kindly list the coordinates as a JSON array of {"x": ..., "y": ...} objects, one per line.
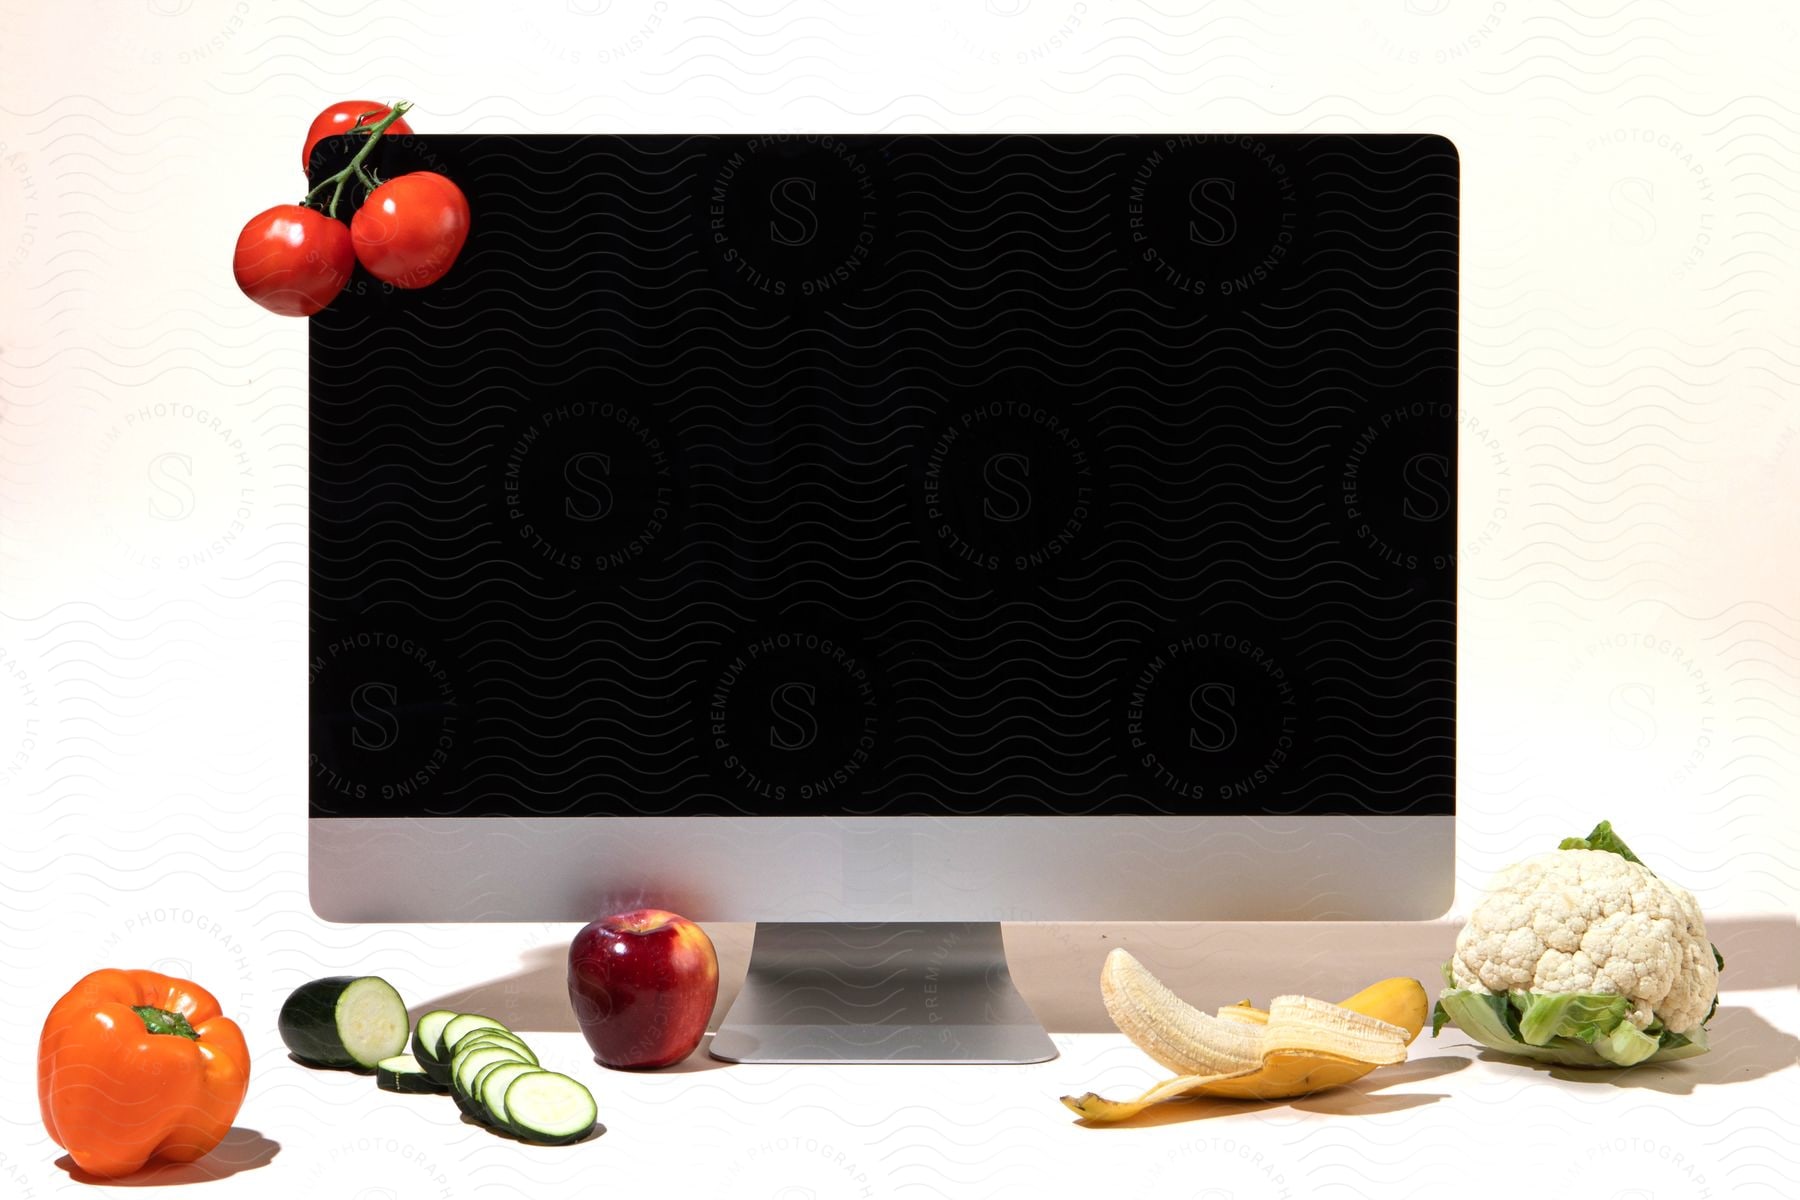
[
  {"x": 1286, "y": 1074},
  {"x": 1298, "y": 1046}
]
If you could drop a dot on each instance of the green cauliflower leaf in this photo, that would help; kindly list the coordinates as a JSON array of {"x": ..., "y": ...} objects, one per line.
[
  {"x": 1544, "y": 1017},
  {"x": 1496, "y": 1021}
]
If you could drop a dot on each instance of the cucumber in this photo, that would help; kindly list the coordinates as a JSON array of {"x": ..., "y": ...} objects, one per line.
[
  {"x": 494, "y": 1077},
  {"x": 478, "y": 1088},
  {"x": 465, "y": 1100},
  {"x": 470, "y": 1064},
  {"x": 489, "y": 1037},
  {"x": 552, "y": 1109},
  {"x": 402, "y": 1073},
  {"x": 490, "y": 1087},
  {"x": 459, "y": 1027},
  {"x": 436, "y": 1070},
  {"x": 344, "y": 1021},
  {"x": 478, "y": 1033},
  {"x": 427, "y": 1045},
  {"x": 468, "y": 1046},
  {"x": 468, "y": 1098},
  {"x": 430, "y": 1027}
]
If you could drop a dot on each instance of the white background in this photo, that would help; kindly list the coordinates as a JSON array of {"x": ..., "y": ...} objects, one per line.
[{"x": 1631, "y": 458}]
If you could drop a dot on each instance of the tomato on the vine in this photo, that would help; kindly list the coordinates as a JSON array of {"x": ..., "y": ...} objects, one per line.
[
  {"x": 293, "y": 260},
  {"x": 342, "y": 117},
  {"x": 410, "y": 229}
]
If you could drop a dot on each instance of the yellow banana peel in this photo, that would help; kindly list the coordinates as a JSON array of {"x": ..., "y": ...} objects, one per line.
[{"x": 1298, "y": 1046}]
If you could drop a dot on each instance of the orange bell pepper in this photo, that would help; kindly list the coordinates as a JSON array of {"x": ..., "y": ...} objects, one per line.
[{"x": 134, "y": 1065}]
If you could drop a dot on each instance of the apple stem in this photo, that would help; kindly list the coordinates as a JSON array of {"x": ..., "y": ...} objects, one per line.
[{"x": 355, "y": 168}]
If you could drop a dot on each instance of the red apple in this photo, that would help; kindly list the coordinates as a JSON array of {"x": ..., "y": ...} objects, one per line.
[{"x": 642, "y": 985}]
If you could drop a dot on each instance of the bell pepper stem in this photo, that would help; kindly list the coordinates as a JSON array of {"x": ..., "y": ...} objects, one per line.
[{"x": 161, "y": 1020}]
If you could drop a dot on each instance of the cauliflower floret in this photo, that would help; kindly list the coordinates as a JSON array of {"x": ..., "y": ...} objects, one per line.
[{"x": 1591, "y": 921}]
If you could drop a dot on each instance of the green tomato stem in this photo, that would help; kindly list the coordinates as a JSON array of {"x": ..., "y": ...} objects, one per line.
[{"x": 354, "y": 170}]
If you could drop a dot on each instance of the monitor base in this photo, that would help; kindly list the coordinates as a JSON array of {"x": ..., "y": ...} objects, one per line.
[{"x": 883, "y": 993}]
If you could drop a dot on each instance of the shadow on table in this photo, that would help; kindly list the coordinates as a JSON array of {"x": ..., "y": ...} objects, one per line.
[
  {"x": 1744, "y": 1047},
  {"x": 242, "y": 1150},
  {"x": 535, "y": 998},
  {"x": 1364, "y": 1098}
]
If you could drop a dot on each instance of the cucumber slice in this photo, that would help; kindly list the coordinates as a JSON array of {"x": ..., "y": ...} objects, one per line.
[
  {"x": 436, "y": 1070},
  {"x": 542, "y": 1106},
  {"x": 481, "y": 1031},
  {"x": 478, "y": 1088},
  {"x": 344, "y": 1021},
  {"x": 468, "y": 1046},
  {"x": 425, "y": 1044},
  {"x": 469, "y": 1099},
  {"x": 490, "y": 1087},
  {"x": 402, "y": 1073},
  {"x": 470, "y": 1064},
  {"x": 463, "y": 1077},
  {"x": 489, "y": 1037},
  {"x": 460, "y": 1026}
]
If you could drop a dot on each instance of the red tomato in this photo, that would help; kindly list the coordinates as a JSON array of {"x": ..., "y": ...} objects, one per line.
[
  {"x": 293, "y": 260},
  {"x": 341, "y": 118},
  {"x": 410, "y": 229}
]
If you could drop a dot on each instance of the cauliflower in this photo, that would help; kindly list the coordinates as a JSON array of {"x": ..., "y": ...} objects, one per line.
[
  {"x": 1582, "y": 956},
  {"x": 1591, "y": 921}
]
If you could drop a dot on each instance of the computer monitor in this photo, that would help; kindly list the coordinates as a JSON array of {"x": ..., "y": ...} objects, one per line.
[{"x": 881, "y": 536}]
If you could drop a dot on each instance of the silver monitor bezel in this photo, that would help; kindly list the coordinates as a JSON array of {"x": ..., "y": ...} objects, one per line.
[{"x": 1014, "y": 868}]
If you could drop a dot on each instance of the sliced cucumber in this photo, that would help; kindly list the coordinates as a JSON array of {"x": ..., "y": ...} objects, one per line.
[
  {"x": 461, "y": 1025},
  {"x": 470, "y": 1064},
  {"x": 478, "y": 1032},
  {"x": 490, "y": 1087},
  {"x": 489, "y": 1037},
  {"x": 542, "y": 1106},
  {"x": 428, "y": 1047},
  {"x": 344, "y": 1021},
  {"x": 478, "y": 1088},
  {"x": 403, "y": 1073},
  {"x": 360, "y": 1021},
  {"x": 474, "y": 1088},
  {"x": 430, "y": 1027},
  {"x": 462, "y": 1085},
  {"x": 436, "y": 1070},
  {"x": 470, "y": 1045}
]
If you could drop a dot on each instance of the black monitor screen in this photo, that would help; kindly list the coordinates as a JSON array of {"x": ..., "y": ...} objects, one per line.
[{"x": 896, "y": 475}]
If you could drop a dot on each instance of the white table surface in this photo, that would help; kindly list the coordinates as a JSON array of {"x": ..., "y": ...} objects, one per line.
[{"x": 1453, "y": 1120}]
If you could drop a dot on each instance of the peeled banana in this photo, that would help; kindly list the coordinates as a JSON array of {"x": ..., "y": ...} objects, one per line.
[
  {"x": 1299, "y": 1045},
  {"x": 1170, "y": 1030}
]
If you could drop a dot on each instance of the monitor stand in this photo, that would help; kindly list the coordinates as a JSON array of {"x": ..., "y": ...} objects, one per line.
[{"x": 886, "y": 993}]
